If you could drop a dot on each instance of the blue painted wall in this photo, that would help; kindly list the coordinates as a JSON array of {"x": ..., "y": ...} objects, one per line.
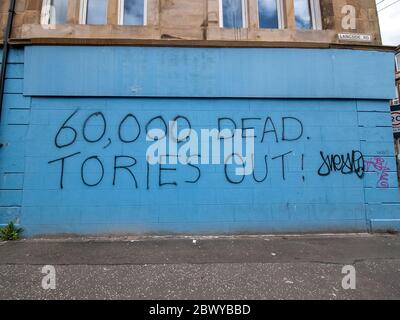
[
  {"x": 13, "y": 133},
  {"x": 208, "y": 72},
  {"x": 46, "y": 85}
]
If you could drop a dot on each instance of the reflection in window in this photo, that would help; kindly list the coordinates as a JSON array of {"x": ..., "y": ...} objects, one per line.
[
  {"x": 232, "y": 13},
  {"x": 133, "y": 12},
  {"x": 303, "y": 17},
  {"x": 54, "y": 12},
  {"x": 268, "y": 14},
  {"x": 96, "y": 12},
  {"x": 59, "y": 16}
]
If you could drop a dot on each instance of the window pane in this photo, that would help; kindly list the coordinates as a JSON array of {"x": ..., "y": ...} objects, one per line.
[
  {"x": 398, "y": 61},
  {"x": 134, "y": 12},
  {"x": 58, "y": 11},
  {"x": 268, "y": 14},
  {"x": 302, "y": 14},
  {"x": 96, "y": 12},
  {"x": 232, "y": 13}
]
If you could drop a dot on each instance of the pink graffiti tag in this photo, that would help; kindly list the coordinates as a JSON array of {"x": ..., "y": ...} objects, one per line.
[{"x": 381, "y": 168}]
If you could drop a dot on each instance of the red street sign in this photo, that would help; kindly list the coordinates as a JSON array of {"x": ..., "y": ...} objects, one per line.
[{"x": 395, "y": 118}]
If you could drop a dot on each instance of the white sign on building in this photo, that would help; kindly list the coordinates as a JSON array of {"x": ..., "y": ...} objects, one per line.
[{"x": 355, "y": 37}]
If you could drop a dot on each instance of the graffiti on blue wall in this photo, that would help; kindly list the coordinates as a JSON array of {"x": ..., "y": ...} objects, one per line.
[
  {"x": 130, "y": 129},
  {"x": 86, "y": 163},
  {"x": 85, "y": 132},
  {"x": 348, "y": 163}
]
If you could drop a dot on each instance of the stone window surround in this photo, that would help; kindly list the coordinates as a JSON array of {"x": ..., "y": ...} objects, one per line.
[
  {"x": 162, "y": 29},
  {"x": 213, "y": 16}
]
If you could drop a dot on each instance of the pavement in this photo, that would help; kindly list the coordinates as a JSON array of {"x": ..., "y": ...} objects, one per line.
[{"x": 193, "y": 267}]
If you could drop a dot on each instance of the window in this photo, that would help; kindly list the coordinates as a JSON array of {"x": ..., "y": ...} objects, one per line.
[
  {"x": 133, "y": 12},
  {"x": 232, "y": 13},
  {"x": 270, "y": 14},
  {"x": 396, "y": 101},
  {"x": 93, "y": 12},
  {"x": 307, "y": 14},
  {"x": 54, "y": 11},
  {"x": 398, "y": 92},
  {"x": 398, "y": 62}
]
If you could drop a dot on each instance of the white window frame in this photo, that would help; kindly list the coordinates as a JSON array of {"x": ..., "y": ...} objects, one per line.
[
  {"x": 121, "y": 12},
  {"x": 280, "y": 13},
  {"x": 45, "y": 14},
  {"x": 396, "y": 101},
  {"x": 244, "y": 14},
  {"x": 315, "y": 9},
  {"x": 315, "y": 12},
  {"x": 83, "y": 12}
]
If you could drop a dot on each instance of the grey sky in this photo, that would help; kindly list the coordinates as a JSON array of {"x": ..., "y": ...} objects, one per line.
[{"x": 389, "y": 21}]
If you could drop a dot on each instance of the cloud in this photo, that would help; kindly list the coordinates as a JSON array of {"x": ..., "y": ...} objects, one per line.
[{"x": 389, "y": 21}]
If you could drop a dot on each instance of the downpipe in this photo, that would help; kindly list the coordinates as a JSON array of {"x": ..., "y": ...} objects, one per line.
[{"x": 6, "y": 49}]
